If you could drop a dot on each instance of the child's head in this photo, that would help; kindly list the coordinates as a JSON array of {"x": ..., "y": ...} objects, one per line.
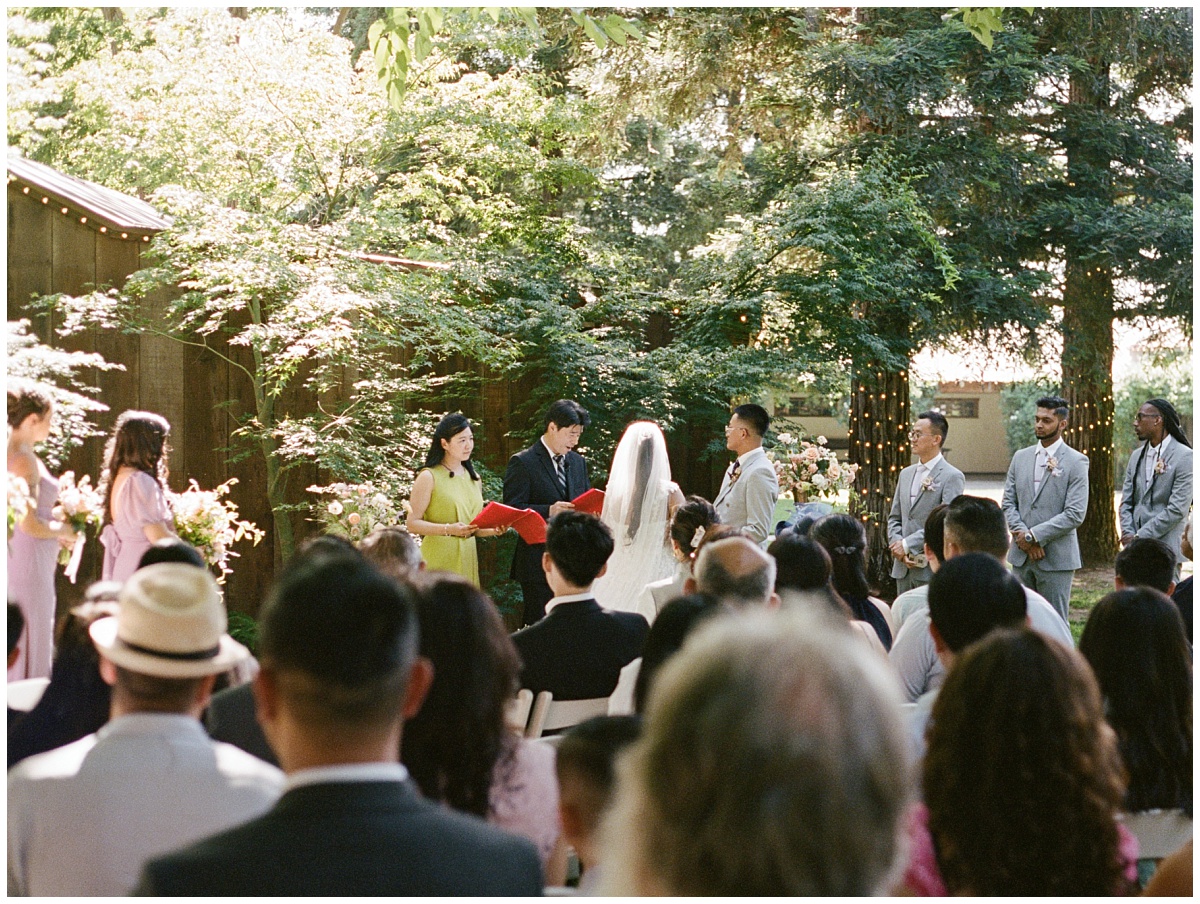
[{"x": 586, "y": 758}]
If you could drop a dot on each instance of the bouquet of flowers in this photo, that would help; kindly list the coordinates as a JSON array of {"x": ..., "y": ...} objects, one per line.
[
  {"x": 810, "y": 469},
  {"x": 18, "y": 500},
  {"x": 211, "y": 523},
  {"x": 355, "y": 510},
  {"x": 80, "y": 505}
]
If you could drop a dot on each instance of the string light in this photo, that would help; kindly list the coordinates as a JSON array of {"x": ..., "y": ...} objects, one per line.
[{"x": 83, "y": 219}]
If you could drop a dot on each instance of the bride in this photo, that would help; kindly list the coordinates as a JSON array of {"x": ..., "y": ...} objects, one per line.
[{"x": 638, "y": 504}]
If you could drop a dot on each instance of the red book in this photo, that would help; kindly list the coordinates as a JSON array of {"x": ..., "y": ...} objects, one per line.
[
  {"x": 528, "y": 523},
  {"x": 591, "y": 502}
]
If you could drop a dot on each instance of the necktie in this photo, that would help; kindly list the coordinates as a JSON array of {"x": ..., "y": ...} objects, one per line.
[
  {"x": 915, "y": 490},
  {"x": 735, "y": 472},
  {"x": 560, "y": 472},
  {"x": 1039, "y": 468}
]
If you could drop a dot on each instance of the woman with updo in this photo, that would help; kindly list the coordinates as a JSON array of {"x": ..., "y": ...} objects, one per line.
[
  {"x": 845, "y": 539},
  {"x": 692, "y": 521},
  {"x": 133, "y": 484},
  {"x": 33, "y": 549}
]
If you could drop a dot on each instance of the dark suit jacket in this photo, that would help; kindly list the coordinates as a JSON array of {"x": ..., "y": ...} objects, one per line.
[
  {"x": 529, "y": 482},
  {"x": 352, "y": 838},
  {"x": 578, "y": 650},
  {"x": 232, "y": 718}
]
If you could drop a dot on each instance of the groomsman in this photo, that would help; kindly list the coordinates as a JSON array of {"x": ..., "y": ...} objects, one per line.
[
  {"x": 750, "y": 488},
  {"x": 1157, "y": 493},
  {"x": 1045, "y": 500},
  {"x": 545, "y": 477},
  {"x": 922, "y": 487}
]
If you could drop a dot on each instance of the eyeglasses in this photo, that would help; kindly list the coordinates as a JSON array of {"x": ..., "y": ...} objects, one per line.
[
  {"x": 1141, "y": 417},
  {"x": 917, "y": 434}
]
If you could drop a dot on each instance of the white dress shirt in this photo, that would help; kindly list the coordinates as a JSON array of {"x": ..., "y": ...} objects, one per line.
[
  {"x": 568, "y": 598},
  {"x": 347, "y": 772},
  {"x": 1040, "y": 460},
  {"x": 1153, "y": 454},
  {"x": 924, "y": 469}
]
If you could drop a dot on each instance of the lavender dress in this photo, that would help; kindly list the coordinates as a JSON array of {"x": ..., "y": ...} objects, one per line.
[
  {"x": 31, "y": 565},
  {"x": 138, "y": 502}
]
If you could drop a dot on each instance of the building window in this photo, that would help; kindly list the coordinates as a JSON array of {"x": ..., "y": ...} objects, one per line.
[
  {"x": 964, "y": 408},
  {"x": 803, "y": 406}
]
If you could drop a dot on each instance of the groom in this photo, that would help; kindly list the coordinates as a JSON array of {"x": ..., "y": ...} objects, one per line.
[
  {"x": 750, "y": 489},
  {"x": 545, "y": 477}
]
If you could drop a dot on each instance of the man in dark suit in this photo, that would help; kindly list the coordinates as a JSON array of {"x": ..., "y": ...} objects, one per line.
[
  {"x": 578, "y": 650},
  {"x": 333, "y": 704},
  {"x": 545, "y": 477}
]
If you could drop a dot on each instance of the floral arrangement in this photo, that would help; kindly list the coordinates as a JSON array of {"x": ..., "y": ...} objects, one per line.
[
  {"x": 81, "y": 506},
  {"x": 18, "y": 500},
  {"x": 355, "y": 510},
  {"x": 211, "y": 523},
  {"x": 808, "y": 470}
]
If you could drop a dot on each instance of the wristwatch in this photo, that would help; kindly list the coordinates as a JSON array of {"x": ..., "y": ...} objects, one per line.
[{"x": 1029, "y": 537}]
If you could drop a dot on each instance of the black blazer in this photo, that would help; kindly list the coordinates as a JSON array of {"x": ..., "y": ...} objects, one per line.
[
  {"x": 529, "y": 482},
  {"x": 578, "y": 650},
  {"x": 351, "y": 838},
  {"x": 232, "y": 717}
]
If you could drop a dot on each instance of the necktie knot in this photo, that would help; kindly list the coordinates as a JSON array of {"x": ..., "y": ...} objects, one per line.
[{"x": 735, "y": 471}]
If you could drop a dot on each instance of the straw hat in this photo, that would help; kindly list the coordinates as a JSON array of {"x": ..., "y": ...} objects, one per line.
[{"x": 171, "y": 624}]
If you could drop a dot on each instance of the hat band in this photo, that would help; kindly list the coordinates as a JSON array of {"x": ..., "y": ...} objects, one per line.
[{"x": 210, "y": 653}]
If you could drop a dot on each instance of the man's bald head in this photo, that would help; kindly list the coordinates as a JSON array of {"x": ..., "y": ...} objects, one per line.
[{"x": 736, "y": 571}]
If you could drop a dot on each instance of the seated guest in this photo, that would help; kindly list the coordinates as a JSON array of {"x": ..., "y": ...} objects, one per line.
[
  {"x": 969, "y": 596},
  {"x": 772, "y": 762},
  {"x": 393, "y": 551},
  {"x": 77, "y": 700},
  {"x": 1022, "y": 779},
  {"x": 917, "y": 598},
  {"x": 845, "y": 539},
  {"x": 459, "y": 748},
  {"x": 972, "y": 524},
  {"x": 333, "y": 704},
  {"x": 83, "y": 819},
  {"x": 736, "y": 571},
  {"x": 1182, "y": 596},
  {"x": 692, "y": 521},
  {"x": 172, "y": 549},
  {"x": 16, "y": 627},
  {"x": 1135, "y": 644},
  {"x": 586, "y": 768},
  {"x": 1145, "y": 562},
  {"x": 673, "y": 625},
  {"x": 578, "y": 650}
]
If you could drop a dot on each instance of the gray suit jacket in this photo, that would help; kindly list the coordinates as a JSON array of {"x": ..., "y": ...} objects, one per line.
[
  {"x": 1054, "y": 512},
  {"x": 1159, "y": 507},
  {"x": 907, "y": 520},
  {"x": 749, "y": 502}
]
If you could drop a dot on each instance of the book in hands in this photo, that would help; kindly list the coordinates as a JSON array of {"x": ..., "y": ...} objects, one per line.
[
  {"x": 529, "y": 524},
  {"x": 591, "y": 502}
]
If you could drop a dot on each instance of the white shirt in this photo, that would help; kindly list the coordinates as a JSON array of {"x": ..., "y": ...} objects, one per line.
[
  {"x": 83, "y": 819},
  {"x": 924, "y": 469},
  {"x": 347, "y": 772},
  {"x": 1153, "y": 454},
  {"x": 568, "y": 598},
  {"x": 1040, "y": 460}
]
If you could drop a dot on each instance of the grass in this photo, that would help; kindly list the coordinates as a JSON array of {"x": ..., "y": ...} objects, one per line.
[{"x": 1089, "y": 586}]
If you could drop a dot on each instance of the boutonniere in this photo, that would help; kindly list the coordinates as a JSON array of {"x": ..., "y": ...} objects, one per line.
[
  {"x": 1160, "y": 467},
  {"x": 927, "y": 485},
  {"x": 1052, "y": 466}
]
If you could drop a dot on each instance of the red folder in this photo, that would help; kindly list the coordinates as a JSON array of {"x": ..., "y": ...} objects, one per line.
[
  {"x": 591, "y": 502},
  {"x": 528, "y": 523}
]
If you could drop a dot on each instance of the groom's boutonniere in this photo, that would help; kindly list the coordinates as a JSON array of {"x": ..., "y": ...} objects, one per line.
[
  {"x": 1160, "y": 467},
  {"x": 1052, "y": 466},
  {"x": 927, "y": 485}
]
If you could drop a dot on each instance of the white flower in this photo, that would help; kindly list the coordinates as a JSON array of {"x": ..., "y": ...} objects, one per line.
[
  {"x": 379, "y": 499},
  {"x": 819, "y": 481},
  {"x": 697, "y": 536},
  {"x": 787, "y": 439},
  {"x": 335, "y": 508},
  {"x": 821, "y": 440}
]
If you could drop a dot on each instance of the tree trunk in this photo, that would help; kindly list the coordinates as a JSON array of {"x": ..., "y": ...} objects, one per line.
[
  {"x": 343, "y": 14},
  {"x": 879, "y": 445},
  {"x": 1087, "y": 325}
]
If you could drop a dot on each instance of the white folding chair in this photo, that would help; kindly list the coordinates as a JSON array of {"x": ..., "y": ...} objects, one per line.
[
  {"x": 621, "y": 701},
  {"x": 23, "y": 695},
  {"x": 1158, "y": 832},
  {"x": 517, "y": 714},
  {"x": 549, "y": 714}
]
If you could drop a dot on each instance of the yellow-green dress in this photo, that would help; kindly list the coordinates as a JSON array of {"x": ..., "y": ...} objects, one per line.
[{"x": 454, "y": 499}]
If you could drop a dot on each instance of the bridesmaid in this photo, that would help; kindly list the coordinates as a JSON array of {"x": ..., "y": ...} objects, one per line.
[
  {"x": 447, "y": 494},
  {"x": 134, "y": 487},
  {"x": 33, "y": 550}
]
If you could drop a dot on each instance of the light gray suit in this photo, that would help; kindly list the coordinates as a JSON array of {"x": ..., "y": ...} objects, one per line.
[
  {"x": 1052, "y": 514},
  {"x": 1159, "y": 507},
  {"x": 749, "y": 501},
  {"x": 907, "y": 519}
]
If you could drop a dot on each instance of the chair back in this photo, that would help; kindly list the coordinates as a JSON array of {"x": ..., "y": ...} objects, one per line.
[
  {"x": 621, "y": 701},
  {"x": 23, "y": 695},
  {"x": 549, "y": 714},
  {"x": 1158, "y": 832},
  {"x": 517, "y": 714}
]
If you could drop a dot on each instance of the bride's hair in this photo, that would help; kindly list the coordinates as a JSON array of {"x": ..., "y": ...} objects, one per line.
[{"x": 696, "y": 512}]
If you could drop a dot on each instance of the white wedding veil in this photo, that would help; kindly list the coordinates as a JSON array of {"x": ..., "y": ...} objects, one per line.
[{"x": 636, "y": 511}]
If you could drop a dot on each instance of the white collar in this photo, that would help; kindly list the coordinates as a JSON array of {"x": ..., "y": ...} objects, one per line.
[
  {"x": 542, "y": 439},
  {"x": 744, "y": 458},
  {"x": 568, "y": 598},
  {"x": 151, "y": 723},
  {"x": 1161, "y": 447},
  {"x": 931, "y": 464},
  {"x": 1051, "y": 450},
  {"x": 347, "y": 772}
]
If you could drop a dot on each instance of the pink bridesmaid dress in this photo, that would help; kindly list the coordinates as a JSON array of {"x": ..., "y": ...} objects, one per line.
[
  {"x": 31, "y": 566},
  {"x": 137, "y": 502}
]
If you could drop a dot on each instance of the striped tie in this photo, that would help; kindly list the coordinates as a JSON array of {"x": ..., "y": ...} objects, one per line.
[{"x": 560, "y": 472}]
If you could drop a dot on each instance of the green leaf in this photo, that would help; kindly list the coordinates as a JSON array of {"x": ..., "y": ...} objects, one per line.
[
  {"x": 593, "y": 31},
  {"x": 494, "y": 12}
]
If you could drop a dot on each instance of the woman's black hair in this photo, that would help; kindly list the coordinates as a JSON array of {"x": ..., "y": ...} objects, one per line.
[
  {"x": 845, "y": 539},
  {"x": 448, "y": 427}
]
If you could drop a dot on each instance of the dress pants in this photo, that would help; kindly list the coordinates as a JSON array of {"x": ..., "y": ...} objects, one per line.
[{"x": 1055, "y": 586}]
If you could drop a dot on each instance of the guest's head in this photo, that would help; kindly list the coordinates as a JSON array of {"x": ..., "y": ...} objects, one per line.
[
  {"x": 139, "y": 441},
  {"x": 1146, "y": 562},
  {"x": 452, "y": 745},
  {"x": 801, "y": 563},
  {"x": 578, "y": 546},
  {"x": 935, "y": 537},
  {"x": 691, "y": 522},
  {"x": 1022, "y": 776},
  {"x": 970, "y": 596},
  {"x": 773, "y": 762},
  {"x": 453, "y": 442},
  {"x": 586, "y": 766},
  {"x": 669, "y": 630},
  {"x": 736, "y": 572},
  {"x": 340, "y": 668},
  {"x": 16, "y": 627},
  {"x": 327, "y": 545},
  {"x": 975, "y": 524},
  {"x": 933, "y": 427},
  {"x": 30, "y": 409},
  {"x": 167, "y": 643},
  {"x": 393, "y": 551},
  {"x": 172, "y": 549},
  {"x": 1134, "y": 641},
  {"x": 845, "y": 539},
  {"x": 564, "y": 424},
  {"x": 747, "y": 426}
]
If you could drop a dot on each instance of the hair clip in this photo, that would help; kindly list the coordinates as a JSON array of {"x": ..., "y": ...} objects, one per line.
[{"x": 698, "y": 536}]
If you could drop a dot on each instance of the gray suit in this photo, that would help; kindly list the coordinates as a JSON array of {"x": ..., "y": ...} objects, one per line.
[
  {"x": 907, "y": 519},
  {"x": 749, "y": 501},
  {"x": 1159, "y": 507},
  {"x": 1052, "y": 514}
]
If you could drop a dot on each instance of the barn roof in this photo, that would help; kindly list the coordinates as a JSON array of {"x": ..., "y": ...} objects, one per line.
[{"x": 104, "y": 206}]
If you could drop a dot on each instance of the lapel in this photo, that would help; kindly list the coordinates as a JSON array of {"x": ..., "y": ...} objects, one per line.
[
  {"x": 932, "y": 475},
  {"x": 543, "y": 455},
  {"x": 726, "y": 486},
  {"x": 1047, "y": 475}
]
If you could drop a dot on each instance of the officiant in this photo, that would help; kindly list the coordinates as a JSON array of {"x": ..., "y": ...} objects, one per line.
[{"x": 544, "y": 478}]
